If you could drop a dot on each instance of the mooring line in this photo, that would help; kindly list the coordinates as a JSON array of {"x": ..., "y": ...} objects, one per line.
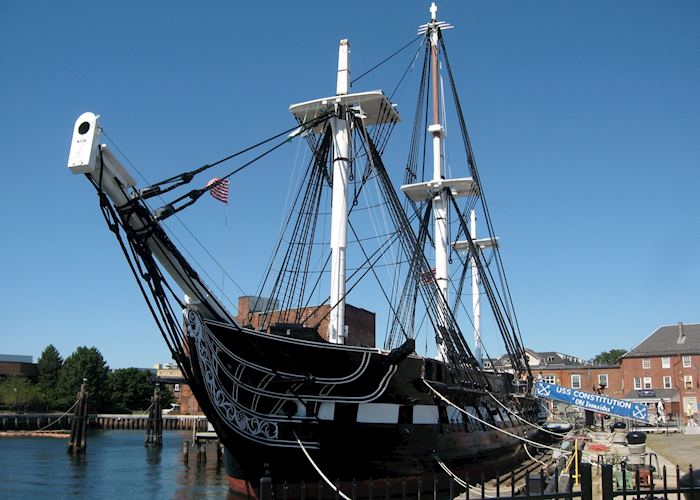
[
  {"x": 558, "y": 434},
  {"x": 460, "y": 481},
  {"x": 59, "y": 418},
  {"x": 539, "y": 445},
  {"x": 320, "y": 473},
  {"x": 533, "y": 458}
]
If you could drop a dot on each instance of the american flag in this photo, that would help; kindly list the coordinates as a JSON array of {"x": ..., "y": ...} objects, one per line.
[
  {"x": 428, "y": 276},
  {"x": 219, "y": 190}
]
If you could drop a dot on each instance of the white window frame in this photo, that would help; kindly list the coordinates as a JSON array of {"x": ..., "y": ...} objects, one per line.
[
  {"x": 687, "y": 361},
  {"x": 668, "y": 383},
  {"x": 665, "y": 362},
  {"x": 577, "y": 377},
  {"x": 687, "y": 381},
  {"x": 550, "y": 379},
  {"x": 603, "y": 379},
  {"x": 637, "y": 383},
  {"x": 646, "y": 363},
  {"x": 648, "y": 383}
]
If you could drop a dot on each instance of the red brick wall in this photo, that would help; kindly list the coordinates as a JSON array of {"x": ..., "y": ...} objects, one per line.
[
  {"x": 361, "y": 323},
  {"x": 188, "y": 403},
  {"x": 632, "y": 367},
  {"x": 25, "y": 369}
]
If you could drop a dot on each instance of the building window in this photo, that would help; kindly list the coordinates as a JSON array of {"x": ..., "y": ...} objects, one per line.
[
  {"x": 647, "y": 382},
  {"x": 603, "y": 379},
  {"x": 176, "y": 388},
  {"x": 646, "y": 363},
  {"x": 550, "y": 379},
  {"x": 688, "y": 381},
  {"x": 665, "y": 362},
  {"x": 575, "y": 381},
  {"x": 667, "y": 382},
  {"x": 637, "y": 383},
  {"x": 686, "y": 362}
]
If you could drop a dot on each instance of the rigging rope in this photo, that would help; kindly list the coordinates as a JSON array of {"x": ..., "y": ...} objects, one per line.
[
  {"x": 526, "y": 440},
  {"x": 385, "y": 60},
  {"x": 558, "y": 434},
  {"x": 318, "y": 470},
  {"x": 186, "y": 177}
]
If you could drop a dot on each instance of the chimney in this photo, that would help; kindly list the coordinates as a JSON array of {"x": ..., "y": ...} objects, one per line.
[{"x": 681, "y": 334}]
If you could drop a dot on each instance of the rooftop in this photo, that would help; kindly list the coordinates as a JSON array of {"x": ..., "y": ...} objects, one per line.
[
  {"x": 15, "y": 358},
  {"x": 667, "y": 340}
]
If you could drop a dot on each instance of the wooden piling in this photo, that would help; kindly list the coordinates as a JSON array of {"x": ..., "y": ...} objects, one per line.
[
  {"x": 154, "y": 426},
  {"x": 78, "y": 431},
  {"x": 185, "y": 451}
]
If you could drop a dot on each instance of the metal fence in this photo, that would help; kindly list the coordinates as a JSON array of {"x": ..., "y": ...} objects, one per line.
[{"x": 608, "y": 484}]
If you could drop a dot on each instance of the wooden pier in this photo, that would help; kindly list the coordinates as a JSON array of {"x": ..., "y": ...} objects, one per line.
[{"x": 36, "y": 421}]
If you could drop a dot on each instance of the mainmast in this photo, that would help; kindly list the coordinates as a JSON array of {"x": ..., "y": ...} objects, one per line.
[
  {"x": 440, "y": 212},
  {"x": 435, "y": 190}
]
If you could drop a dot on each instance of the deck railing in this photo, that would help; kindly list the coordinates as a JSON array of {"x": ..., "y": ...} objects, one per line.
[{"x": 607, "y": 484}]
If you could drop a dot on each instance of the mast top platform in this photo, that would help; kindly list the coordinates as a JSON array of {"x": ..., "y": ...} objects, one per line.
[
  {"x": 423, "y": 191},
  {"x": 434, "y": 23},
  {"x": 372, "y": 106},
  {"x": 479, "y": 243}
]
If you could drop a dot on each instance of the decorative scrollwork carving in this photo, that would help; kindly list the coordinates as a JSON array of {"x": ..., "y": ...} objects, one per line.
[
  {"x": 193, "y": 321},
  {"x": 233, "y": 414}
]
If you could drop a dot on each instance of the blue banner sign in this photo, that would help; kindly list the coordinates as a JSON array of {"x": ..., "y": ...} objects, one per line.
[{"x": 595, "y": 402}]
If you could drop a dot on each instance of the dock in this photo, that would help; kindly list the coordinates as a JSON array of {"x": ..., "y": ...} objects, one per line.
[{"x": 35, "y": 422}]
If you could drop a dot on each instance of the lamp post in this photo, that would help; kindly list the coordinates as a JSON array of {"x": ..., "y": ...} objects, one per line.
[{"x": 16, "y": 399}]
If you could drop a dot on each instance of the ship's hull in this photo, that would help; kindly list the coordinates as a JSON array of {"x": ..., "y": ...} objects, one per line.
[{"x": 359, "y": 413}]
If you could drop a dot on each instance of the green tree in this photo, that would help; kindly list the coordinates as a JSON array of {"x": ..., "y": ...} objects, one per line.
[
  {"x": 85, "y": 363},
  {"x": 131, "y": 388},
  {"x": 18, "y": 394},
  {"x": 608, "y": 357},
  {"x": 49, "y": 367}
]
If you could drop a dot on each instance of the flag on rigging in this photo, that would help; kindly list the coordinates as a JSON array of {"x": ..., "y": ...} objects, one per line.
[
  {"x": 219, "y": 189},
  {"x": 428, "y": 276}
]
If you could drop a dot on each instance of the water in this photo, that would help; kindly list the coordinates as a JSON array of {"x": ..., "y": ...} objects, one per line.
[{"x": 116, "y": 465}]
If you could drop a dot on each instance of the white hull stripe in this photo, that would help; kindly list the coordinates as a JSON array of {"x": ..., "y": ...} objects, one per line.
[{"x": 387, "y": 413}]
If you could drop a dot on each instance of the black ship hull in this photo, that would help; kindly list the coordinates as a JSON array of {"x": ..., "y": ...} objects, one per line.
[{"x": 359, "y": 413}]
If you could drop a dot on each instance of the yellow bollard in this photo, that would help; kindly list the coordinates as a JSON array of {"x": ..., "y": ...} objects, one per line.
[{"x": 576, "y": 474}]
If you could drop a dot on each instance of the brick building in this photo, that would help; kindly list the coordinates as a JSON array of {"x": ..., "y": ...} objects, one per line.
[
  {"x": 665, "y": 365},
  {"x": 172, "y": 376},
  {"x": 14, "y": 364},
  {"x": 571, "y": 371},
  {"x": 360, "y": 322}
]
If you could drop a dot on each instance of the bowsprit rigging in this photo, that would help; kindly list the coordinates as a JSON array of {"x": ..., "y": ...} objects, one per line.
[{"x": 288, "y": 378}]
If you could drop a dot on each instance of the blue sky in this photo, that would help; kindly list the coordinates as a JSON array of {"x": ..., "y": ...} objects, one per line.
[{"x": 585, "y": 119}]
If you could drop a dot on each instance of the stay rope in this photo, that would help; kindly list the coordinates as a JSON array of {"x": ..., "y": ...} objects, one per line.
[
  {"x": 488, "y": 424},
  {"x": 559, "y": 434},
  {"x": 320, "y": 472}
]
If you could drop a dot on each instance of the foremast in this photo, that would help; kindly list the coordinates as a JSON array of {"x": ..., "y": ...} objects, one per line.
[
  {"x": 373, "y": 108},
  {"x": 340, "y": 126}
]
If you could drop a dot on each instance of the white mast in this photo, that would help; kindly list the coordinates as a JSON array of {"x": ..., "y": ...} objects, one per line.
[
  {"x": 440, "y": 213},
  {"x": 373, "y": 108},
  {"x": 339, "y": 217},
  {"x": 479, "y": 245},
  {"x": 476, "y": 306}
]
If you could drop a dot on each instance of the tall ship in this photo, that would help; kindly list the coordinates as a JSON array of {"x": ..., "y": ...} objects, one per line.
[{"x": 294, "y": 383}]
